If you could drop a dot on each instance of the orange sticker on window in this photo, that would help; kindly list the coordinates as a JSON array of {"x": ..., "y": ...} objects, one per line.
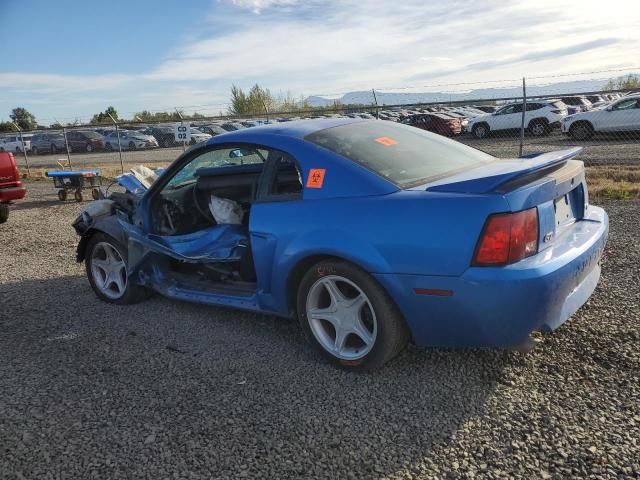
[
  {"x": 316, "y": 178},
  {"x": 386, "y": 141}
]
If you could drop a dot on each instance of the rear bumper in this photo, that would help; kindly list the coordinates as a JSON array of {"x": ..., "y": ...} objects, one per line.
[
  {"x": 500, "y": 307},
  {"x": 12, "y": 193}
]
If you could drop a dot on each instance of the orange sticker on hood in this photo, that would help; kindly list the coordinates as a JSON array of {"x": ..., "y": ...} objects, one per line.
[
  {"x": 316, "y": 178},
  {"x": 386, "y": 141}
]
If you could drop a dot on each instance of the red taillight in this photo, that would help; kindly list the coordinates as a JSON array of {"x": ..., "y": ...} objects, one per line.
[{"x": 507, "y": 238}]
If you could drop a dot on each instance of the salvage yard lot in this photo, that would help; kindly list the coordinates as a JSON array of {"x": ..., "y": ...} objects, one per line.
[{"x": 167, "y": 389}]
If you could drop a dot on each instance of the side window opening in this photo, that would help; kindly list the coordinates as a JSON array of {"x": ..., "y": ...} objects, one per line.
[{"x": 283, "y": 179}]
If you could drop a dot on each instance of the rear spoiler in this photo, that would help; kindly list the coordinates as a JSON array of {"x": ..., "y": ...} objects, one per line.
[{"x": 490, "y": 177}]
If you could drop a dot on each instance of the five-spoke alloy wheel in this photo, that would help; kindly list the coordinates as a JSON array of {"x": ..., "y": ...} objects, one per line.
[
  {"x": 349, "y": 317},
  {"x": 106, "y": 263}
]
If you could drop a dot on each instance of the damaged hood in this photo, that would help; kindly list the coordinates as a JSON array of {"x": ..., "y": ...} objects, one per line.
[{"x": 139, "y": 179}]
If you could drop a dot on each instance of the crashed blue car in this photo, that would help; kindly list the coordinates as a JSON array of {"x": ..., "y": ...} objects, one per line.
[{"x": 372, "y": 234}]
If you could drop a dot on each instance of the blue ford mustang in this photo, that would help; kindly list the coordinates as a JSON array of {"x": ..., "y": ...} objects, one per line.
[{"x": 369, "y": 232}]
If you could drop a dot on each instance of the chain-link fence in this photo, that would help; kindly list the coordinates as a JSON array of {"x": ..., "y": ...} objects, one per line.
[{"x": 606, "y": 123}]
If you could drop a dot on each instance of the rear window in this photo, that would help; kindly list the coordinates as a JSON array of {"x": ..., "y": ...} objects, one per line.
[{"x": 404, "y": 155}]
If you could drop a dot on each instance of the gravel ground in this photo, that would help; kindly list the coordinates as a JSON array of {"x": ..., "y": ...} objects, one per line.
[
  {"x": 172, "y": 390},
  {"x": 601, "y": 150}
]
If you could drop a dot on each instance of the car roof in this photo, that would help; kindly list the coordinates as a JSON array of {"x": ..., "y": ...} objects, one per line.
[{"x": 296, "y": 128}]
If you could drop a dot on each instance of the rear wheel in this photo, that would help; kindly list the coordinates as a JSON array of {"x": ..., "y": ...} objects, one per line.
[
  {"x": 54, "y": 149},
  {"x": 78, "y": 195},
  {"x": 106, "y": 265},
  {"x": 481, "y": 130},
  {"x": 132, "y": 146},
  {"x": 108, "y": 147},
  {"x": 581, "y": 131},
  {"x": 538, "y": 128},
  {"x": 4, "y": 212},
  {"x": 62, "y": 194},
  {"x": 349, "y": 317},
  {"x": 89, "y": 148},
  {"x": 34, "y": 151}
]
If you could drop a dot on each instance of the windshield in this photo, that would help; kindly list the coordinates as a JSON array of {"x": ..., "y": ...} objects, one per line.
[{"x": 404, "y": 155}]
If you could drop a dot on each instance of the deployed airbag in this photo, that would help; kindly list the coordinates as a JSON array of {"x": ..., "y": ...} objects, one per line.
[{"x": 225, "y": 211}]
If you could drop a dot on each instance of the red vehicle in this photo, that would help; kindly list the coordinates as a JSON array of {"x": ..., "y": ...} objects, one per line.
[
  {"x": 84, "y": 141},
  {"x": 10, "y": 185},
  {"x": 436, "y": 123}
]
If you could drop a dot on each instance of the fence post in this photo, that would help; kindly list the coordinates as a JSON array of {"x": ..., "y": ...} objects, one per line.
[
  {"x": 524, "y": 110},
  {"x": 66, "y": 144},
  {"x": 375, "y": 99},
  {"x": 119, "y": 146},
  {"x": 24, "y": 148}
]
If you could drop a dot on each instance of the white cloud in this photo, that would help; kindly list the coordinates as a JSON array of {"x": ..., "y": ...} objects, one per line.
[{"x": 256, "y": 6}]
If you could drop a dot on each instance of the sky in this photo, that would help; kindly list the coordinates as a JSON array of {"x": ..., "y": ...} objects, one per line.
[{"x": 65, "y": 60}]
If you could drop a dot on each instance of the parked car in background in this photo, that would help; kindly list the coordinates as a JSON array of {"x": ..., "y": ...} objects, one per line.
[
  {"x": 540, "y": 118},
  {"x": 232, "y": 126},
  {"x": 436, "y": 123},
  {"x": 197, "y": 136},
  {"x": 621, "y": 116},
  {"x": 576, "y": 104},
  {"x": 597, "y": 100},
  {"x": 213, "y": 129},
  {"x": 13, "y": 143},
  {"x": 485, "y": 108},
  {"x": 47, "y": 142},
  {"x": 129, "y": 140},
  {"x": 84, "y": 141},
  {"x": 164, "y": 135},
  {"x": 11, "y": 187}
]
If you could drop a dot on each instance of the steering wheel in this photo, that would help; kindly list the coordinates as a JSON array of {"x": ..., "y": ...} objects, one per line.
[{"x": 197, "y": 201}]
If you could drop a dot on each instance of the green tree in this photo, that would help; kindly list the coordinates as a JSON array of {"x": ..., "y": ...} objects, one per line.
[
  {"x": 628, "y": 82},
  {"x": 7, "y": 127},
  {"x": 24, "y": 119},
  {"x": 103, "y": 117}
]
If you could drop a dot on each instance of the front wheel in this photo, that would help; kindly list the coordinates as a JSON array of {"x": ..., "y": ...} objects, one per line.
[
  {"x": 89, "y": 148},
  {"x": 349, "y": 317},
  {"x": 4, "y": 212},
  {"x": 581, "y": 131},
  {"x": 106, "y": 265}
]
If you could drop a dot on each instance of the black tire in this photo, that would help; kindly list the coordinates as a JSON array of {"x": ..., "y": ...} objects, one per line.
[
  {"x": 538, "y": 128},
  {"x": 108, "y": 147},
  {"x": 62, "y": 194},
  {"x": 581, "y": 131},
  {"x": 481, "y": 130},
  {"x": 34, "y": 151},
  {"x": 95, "y": 193},
  {"x": 4, "y": 212},
  {"x": 54, "y": 149},
  {"x": 132, "y": 146},
  {"x": 88, "y": 148},
  {"x": 392, "y": 332},
  {"x": 18, "y": 150},
  {"x": 133, "y": 293},
  {"x": 77, "y": 195}
]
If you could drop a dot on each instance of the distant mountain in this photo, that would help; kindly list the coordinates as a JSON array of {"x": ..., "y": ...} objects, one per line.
[{"x": 385, "y": 98}]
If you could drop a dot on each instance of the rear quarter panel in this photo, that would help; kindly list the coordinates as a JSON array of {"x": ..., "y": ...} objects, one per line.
[{"x": 407, "y": 232}]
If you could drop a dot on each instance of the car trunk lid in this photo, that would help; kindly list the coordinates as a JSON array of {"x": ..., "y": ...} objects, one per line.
[{"x": 552, "y": 182}]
